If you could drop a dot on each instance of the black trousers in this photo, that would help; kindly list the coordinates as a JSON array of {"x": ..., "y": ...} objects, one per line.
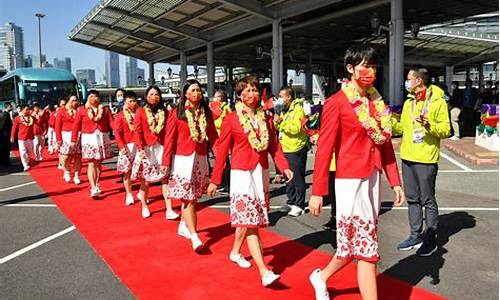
[
  {"x": 4, "y": 149},
  {"x": 296, "y": 189}
]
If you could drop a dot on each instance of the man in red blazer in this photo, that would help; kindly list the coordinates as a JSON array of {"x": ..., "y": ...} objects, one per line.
[
  {"x": 356, "y": 126},
  {"x": 22, "y": 129}
]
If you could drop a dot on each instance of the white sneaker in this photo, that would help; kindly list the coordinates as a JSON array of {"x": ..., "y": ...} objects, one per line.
[
  {"x": 129, "y": 199},
  {"x": 145, "y": 212},
  {"x": 98, "y": 189},
  {"x": 93, "y": 192},
  {"x": 196, "y": 242},
  {"x": 60, "y": 167},
  {"x": 454, "y": 138},
  {"x": 171, "y": 215},
  {"x": 66, "y": 177},
  {"x": 269, "y": 277},
  {"x": 183, "y": 230},
  {"x": 319, "y": 286},
  {"x": 77, "y": 180},
  {"x": 295, "y": 211},
  {"x": 26, "y": 168},
  {"x": 240, "y": 260}
]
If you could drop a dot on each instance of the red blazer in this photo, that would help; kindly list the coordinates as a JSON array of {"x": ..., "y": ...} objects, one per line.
[
  {"x": 143, "y": 135},
  {"x": 178, "y": 138},
  {"x": 64, "y": 122},
  {"x": 39, "y": 123},
  {"x": 52, "y": 119},
  {"x": 243, "y": 156},
  {"x": 355, "y": 153},
  {"x": 23, "y": 132},
  {"x": 85, "y": 125},
  {"x": 122, "y": 132}
]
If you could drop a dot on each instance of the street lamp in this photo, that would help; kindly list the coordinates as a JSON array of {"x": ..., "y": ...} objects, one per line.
[{"x": 39, "y": 16}]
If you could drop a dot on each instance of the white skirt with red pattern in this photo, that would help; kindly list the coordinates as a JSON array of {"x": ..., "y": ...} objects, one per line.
[
  {"x": 358, "y": 206},
  {"x": 96, "y": 146},
  {"x": 66, "y": 148},
  {"x": 188, "y": 178},
  {"x": 148, "y": 166},
  {"x": 125, "y": 161},
  {"x": 249, "y": 197},
  {"x": 51, "y": 140}
]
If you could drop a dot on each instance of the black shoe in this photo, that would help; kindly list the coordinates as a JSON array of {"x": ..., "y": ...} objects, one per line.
[
  {"x": 330, "y": 225},
  {"x": 428, "y": 247}
]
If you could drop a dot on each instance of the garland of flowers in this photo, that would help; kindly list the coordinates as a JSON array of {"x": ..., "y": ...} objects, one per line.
[
  {"x": 259, "y": 143},
  {"x": 91, "y": 115},
  {"x": 197, "y": 123},
  {"x": 154, "y": 126},
  {"x": 379, "y": 129},
  {"x": 129, "y": 117},
  {"x": 28, "y": 122},
  {"x": 71, "y": 112}
]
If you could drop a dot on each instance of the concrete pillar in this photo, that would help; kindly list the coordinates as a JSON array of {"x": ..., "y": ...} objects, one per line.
[
  {"x": 309, "y": 75},
  {"x": 210, "y": 69},
  {"x": 183, "y": 71},
  {"x": 480, "y": 77},
  {"x": 230, "y": 83},
  {"x": 396, "y": 53},
  {"x": 277, "y": 57},
  {"x": 448, "y": 77},
  {"x": 151, "y": 73}
]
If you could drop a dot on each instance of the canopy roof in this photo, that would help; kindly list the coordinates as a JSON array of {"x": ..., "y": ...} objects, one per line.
[{"x": 157, "y": 30}]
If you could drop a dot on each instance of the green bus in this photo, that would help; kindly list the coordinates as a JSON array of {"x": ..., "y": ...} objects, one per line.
[{"x": 43, "y": 85}]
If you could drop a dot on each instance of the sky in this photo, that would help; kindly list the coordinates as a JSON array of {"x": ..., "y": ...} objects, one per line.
[{"x": 61, "y": 16}]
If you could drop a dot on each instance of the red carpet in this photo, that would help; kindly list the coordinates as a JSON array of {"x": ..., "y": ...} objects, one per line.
[{"x": 155, "y": 263}]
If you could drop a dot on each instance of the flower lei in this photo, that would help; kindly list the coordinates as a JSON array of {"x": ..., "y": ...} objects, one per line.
[
  {"x": 91, "y": 115},
  {"x": 28, "y": 122},
  {"x": 129, "y": 117},
  {"x": 259, "y": 143},
  {"x": 71, "y": 112},
  {"x": 197, "y": 123},
  {"x": 155, "y": 126},
  {"x": 379, "y": 129}
]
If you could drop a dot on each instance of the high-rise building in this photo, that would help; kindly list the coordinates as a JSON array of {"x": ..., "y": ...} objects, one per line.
[
  {"x": 12, "y": 36},
  {"x": 86, "y": 76},
  {"x": 35, "y": 59},
  {"x": 28, "y": 61},
  {"x": 61, "y": 63},
  {"x": 112, "y": 62},
  {"x": 140, "y": 74},
  {"x": 131, "y": 71},
  {"x": 5, "y": 57}
]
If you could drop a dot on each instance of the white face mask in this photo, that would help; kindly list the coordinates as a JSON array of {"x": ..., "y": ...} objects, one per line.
[
  {"x": 119, "y": 98},
  {"x": 278, "y": 102}
]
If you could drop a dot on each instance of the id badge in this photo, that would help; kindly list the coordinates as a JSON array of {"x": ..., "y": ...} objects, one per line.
[{"x": 418, "y": 136}]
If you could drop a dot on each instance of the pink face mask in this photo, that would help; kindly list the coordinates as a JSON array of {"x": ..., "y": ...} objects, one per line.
[
  {"x": 365, "y": 77},
  {"x": 153, "y": 100},
  {"x": 250, "y": 99},
  {"x": 194, "y": 98}
]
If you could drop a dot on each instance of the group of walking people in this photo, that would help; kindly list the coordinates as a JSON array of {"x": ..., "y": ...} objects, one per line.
[{"x": 172, "y": 146}]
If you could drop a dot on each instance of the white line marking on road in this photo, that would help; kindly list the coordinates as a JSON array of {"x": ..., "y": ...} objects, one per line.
[
  {"x": 35, "y": 245},
  {"x": 456, "y": 163},
  {"x": 465, "y": 171},
  {"x": 31, "y": 205},
  {"x": 397, "y": 208},
  {"x": 16, "y": 186}
]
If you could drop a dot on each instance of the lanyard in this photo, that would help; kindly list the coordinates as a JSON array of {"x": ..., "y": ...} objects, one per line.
[{"x": 425, "y": 109}]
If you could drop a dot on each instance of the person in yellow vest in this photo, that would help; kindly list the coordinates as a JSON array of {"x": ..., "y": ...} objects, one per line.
[
  {"x": 295, "y": 143},
  {"x": 220, "y": 109},
  {"x": 424, "y": 122}
]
